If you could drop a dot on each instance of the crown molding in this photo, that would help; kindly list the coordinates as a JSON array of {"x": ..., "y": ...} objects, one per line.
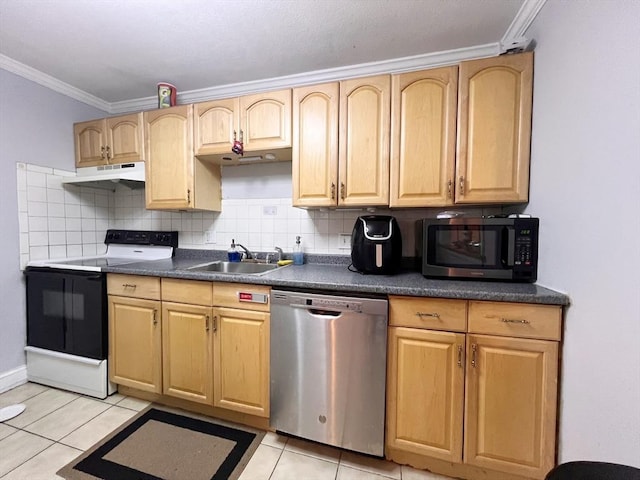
[
  {"x": 52, "y": 83},
  {"x": 397, "y": 65},
  {"x": 514, "y": 36}
]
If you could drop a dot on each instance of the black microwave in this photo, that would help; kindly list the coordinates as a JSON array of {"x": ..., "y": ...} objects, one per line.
[{"x": 479, "y": 248}]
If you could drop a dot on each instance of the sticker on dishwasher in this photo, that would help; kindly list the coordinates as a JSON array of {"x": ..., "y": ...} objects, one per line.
[{"x": 252, "y": 297}]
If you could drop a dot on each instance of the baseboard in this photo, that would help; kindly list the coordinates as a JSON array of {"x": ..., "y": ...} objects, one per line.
[{"x": 13, "y": 378}]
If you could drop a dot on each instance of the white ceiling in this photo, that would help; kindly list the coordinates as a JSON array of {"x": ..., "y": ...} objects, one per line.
[{"x": 118, "y": 50}]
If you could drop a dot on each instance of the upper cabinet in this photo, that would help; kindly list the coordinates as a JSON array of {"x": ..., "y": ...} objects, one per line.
[
  {"x": 261, "y": 121},
  {"x": 494, "y": 129},
  {"x": 314, "y": 166},
  {"x": 363, "y": 170},
  {"x": 109, "y": 140},
  {"x": 341, "y": 143},
  {"x": 423, "y": 129},
  {"x": 397, "y": 138},
  {"x": 175, "y": 179}
]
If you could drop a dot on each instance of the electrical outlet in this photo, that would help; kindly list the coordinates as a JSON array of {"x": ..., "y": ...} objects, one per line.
[
  {"x": 209, "y": 236},
  {"x": 269, "y": 210},
  {"x": 345, "y": 241}
]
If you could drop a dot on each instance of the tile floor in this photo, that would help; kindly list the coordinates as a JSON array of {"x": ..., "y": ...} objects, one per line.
[{"x": 57, "y": 426}]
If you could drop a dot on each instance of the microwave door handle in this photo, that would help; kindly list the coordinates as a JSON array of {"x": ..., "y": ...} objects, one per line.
[{"x": 509, "y": 247}]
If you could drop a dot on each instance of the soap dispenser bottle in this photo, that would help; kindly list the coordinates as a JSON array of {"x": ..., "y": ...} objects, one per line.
[
  {"x": 233, "y": 254},
  {"x": 298, "y": 256}
]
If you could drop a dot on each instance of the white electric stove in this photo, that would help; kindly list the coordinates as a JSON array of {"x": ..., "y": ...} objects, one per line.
[{"x": 67, "y": 314}]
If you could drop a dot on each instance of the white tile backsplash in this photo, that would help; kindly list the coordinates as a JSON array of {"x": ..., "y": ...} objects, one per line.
[{"x": 52, "y": 212}]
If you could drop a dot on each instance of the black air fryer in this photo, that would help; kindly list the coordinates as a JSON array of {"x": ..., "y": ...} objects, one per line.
[{"x": 376, "y": 244}]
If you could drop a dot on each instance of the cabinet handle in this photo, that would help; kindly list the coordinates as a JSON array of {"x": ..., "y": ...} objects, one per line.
[
  {"x": 449, "y": 187},
  {"x": 108, "y": 152},
  {"x": 215, "y": 323},
  {"x": 103, "y": 153},
  {"x": 207, "y": 322},
  {"x": 513, "y": 320},
  {"x": 474, "y": 349},
  {"x": 155, "y": 316},
  {"x": 460, "y": 355},
  {"x": 427, "y": 314},
  {"x": 188, "y": 196},
  {"x": 333, "y": 191},
  {"x": 342, "y": 190},
  {"x": 461, "y": 185},
  {"x": 129, "y": 285}
]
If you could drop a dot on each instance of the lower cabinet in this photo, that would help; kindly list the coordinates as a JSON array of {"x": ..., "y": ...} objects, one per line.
[
  {"x": 187, "y": 352},
  {"x": 477, "y": 400},
  {"x": 135, "y": 338},
  {"x": 198, "y": 341}
]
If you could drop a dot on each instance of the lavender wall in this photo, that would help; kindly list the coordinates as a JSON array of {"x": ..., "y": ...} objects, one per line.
[
  {"x": 36, "y": 126},
  {"x": 585, "y": 177}
]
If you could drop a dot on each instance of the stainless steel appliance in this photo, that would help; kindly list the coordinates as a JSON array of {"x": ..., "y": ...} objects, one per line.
[
  {"x": 328, "y": 368},
  {"x": 486, "y": 248},
  {"x": 376, "y": 244},
  {"x": 67, "y": 317}
]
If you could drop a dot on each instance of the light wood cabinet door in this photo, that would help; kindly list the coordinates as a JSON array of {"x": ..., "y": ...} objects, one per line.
[
  {"x": 214, "y": 126},
  {"x": 187, "y": 352},
  {"x": 90, "y": 139},
  {"x": 241, "y": 366},
  {"x": 494, "y": 129},
  {"x": 511, "y": 395},
  {"x": 169, "y": 158},
  {"x": 125, "y": 138},
  {"x": 425, "y": 392},
  {"x": 423, "y": 141},
  {"x": 315, "y": 145},
  {"x": 135, "y": 343},
  {"x": 365, "y": 109},
  {"x": 265, "y": 120}
]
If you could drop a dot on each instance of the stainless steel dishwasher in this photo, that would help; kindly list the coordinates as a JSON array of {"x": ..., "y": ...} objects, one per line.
[{"x": 328, "y": 368}]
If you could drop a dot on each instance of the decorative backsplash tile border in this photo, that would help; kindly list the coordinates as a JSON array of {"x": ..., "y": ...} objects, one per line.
[{"x": 58, "y": 221}]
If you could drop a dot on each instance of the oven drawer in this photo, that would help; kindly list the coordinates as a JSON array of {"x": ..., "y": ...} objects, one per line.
[
  {"x": 515, "y": 319},
  {"x": 429, "y": 313},
  {"x": 133, "y": 286}
]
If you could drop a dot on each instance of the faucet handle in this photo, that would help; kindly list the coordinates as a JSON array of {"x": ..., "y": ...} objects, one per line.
[{"x": 279, "y": 252}]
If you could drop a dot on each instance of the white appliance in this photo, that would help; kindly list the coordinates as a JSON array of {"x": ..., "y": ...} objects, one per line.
[
  {"x": 67, "y": 314},
  {"x": 108, "y": 176}
]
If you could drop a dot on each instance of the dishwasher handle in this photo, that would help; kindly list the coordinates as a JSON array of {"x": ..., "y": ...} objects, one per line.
[{"x": 318, "y": 311}]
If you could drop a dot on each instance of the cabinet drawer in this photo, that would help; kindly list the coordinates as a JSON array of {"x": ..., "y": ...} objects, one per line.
[
  {"x": 229, "y": 294},
  {"x": 515, "y": 319},
  {"x": 133, "y": 286},
  {"x": 430, "y": 313},
  {"x": 187, "y": 291}
]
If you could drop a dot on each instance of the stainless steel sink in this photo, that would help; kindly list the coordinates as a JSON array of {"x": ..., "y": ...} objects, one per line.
[{"x": 237, "y": 268}]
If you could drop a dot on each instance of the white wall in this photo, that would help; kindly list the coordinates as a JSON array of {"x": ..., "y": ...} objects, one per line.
[
  {"x": 585, "y": 172},
  {"x": 36, "y": 126}
]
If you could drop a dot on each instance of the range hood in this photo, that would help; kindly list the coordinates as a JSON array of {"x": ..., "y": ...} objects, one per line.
[{"x": 107, "y": 177}]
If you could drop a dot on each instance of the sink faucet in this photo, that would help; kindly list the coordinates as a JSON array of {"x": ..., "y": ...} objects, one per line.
[
  {"x": 278, "y": 252},
  {"x": 248, "y": 254}
]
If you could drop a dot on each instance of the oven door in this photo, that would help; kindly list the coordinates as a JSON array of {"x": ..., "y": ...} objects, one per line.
[{"x": 67, "y": 311}]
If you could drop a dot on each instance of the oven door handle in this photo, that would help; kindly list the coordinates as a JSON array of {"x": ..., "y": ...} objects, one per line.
[{"x": 93, "y": 277}]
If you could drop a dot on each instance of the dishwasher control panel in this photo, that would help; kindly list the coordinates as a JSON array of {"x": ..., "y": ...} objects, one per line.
[{"x": 330, "y": 303}]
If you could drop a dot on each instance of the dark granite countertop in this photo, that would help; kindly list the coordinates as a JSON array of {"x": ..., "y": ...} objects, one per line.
[{"x": 331, "y": 274}]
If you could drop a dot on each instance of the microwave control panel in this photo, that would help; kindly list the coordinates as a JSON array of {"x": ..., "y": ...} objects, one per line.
[{"x": 523, "y": 247}]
